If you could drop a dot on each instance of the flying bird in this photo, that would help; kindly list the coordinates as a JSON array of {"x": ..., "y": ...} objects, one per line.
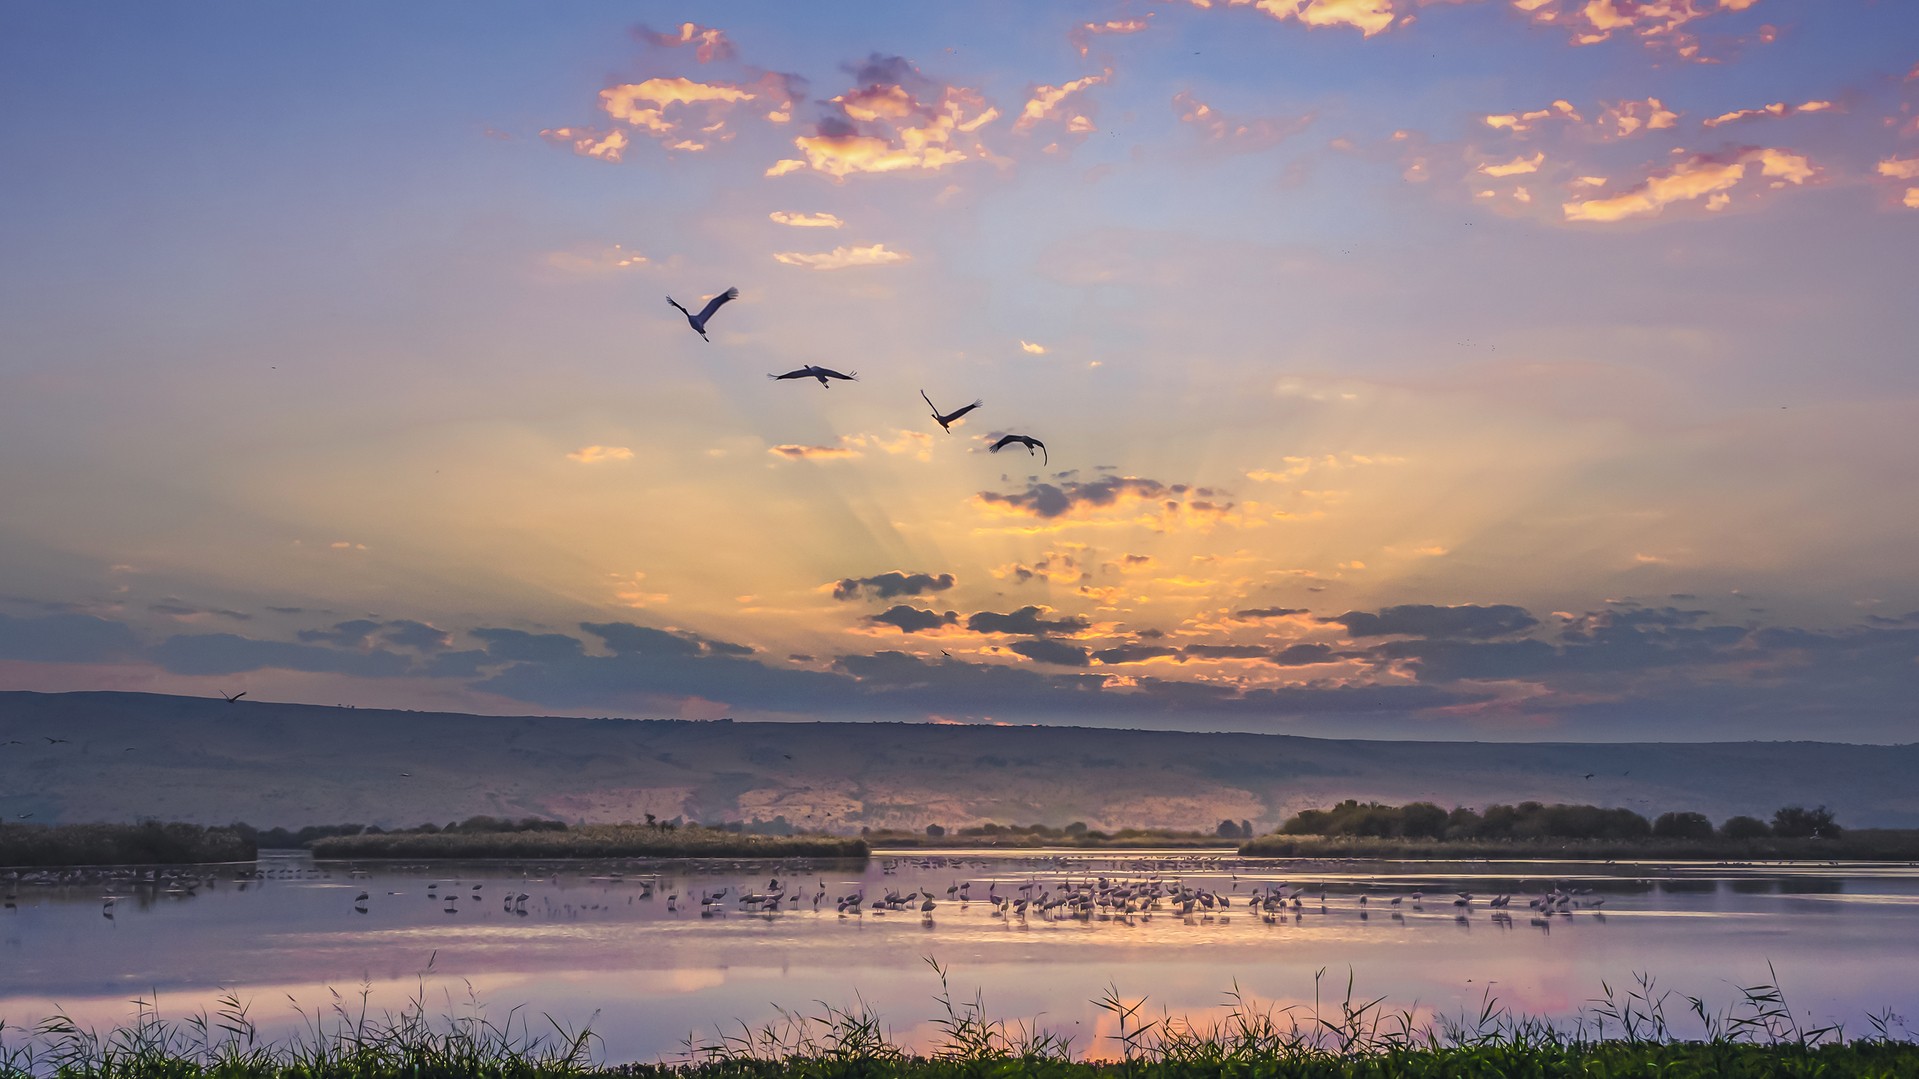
[
  {"x": 231, "y": 697},
  {"x": 816, "y": 371},
  {"x": 946, "y": 421},
  {"x": 1028, "y": 441},
  {"x": 53, "y": 741},
  {"x": 698, "y": 322}
]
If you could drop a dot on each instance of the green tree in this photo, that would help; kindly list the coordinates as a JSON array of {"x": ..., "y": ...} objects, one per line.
[
  {"x": 1682, "y": 826},
  {"x": 1798, "y": 822},
  {"x": 1744, "y": 828}
]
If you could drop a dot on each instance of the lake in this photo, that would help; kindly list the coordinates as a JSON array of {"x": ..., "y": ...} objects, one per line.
[{"x": 603, "y": 942}]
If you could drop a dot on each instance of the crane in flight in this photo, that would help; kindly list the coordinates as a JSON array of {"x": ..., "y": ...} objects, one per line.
[
  {"x": 698, "y": 322},
  {"x": 231, "y": 697},
  {"x": 946, "y": 421},
  {"x": 815, "y": 371},
  {"x": 1028, "y": 441}
]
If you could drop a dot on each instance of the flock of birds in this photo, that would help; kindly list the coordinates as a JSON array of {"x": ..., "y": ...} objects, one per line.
[{"x": 827, "y": 376}]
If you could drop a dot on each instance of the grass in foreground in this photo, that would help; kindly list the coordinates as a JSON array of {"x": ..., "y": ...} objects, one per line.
[
  {"x": 590, "y": 841},
  {"x": 1619, "y": 1034}
]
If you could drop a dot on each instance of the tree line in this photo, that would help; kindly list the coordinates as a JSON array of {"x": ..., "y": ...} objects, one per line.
[{"x": 1536, "y": 820}]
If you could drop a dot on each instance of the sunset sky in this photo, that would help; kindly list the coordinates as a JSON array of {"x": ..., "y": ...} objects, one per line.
[{"x": 1498, "y": 369}]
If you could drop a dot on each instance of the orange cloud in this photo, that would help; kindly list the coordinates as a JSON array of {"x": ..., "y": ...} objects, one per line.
[
  {"x": 709, "y": 44},
  {"x": 900, "y": 443},
  {"x": 1370, "y": 16},
  {"x": 805, "y": 221},
  {"x": 644, "y": 105},
  {"x": 595, "y": 260},
  {"x": 1900, "y": 168},
  {"x": 1518, "y": 166},
  {"x": 887, "y": 125},
  {"x": 1082, "y": 35},
  {"x": 1031, "y": 348},
  {"x": 1911, "y": 201},
  {"x": 1775, "y": 110},
  {"x": 1520, "y": 122},
  {"x": 1657, "y": 23},
  {"x": 1702, "y": 176},
  {"x": 591, "y": 142},
  {"x": 1626, "y": 118},
  {"x": 592, "y": 455},
  {"x": 795, "y": 452},
  {"x": 842, "y": 257},
  {"x": 1254, "y": 133},
  {"x": 1046, "y": 101}
]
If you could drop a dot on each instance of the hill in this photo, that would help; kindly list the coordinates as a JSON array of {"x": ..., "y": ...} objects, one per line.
[{"x": 132, "y": 755}]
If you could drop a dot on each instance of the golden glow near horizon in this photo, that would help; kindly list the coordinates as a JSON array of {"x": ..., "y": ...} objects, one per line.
[{"x": 1379, "y": 395}]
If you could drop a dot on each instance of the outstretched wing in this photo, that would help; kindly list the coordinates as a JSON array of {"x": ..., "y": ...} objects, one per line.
[
  {"x": 958, "y": 412},
  {"x": 1042, "y": 450},
  {"x": 801, "y": 373},
  {"x": 1005, "y": 442},
  {"x": 717, "y": 302},
  {"x": 830, "y": 373},
  {"x": 931, "y": 405},
  {"x": 677, "y": 307}
]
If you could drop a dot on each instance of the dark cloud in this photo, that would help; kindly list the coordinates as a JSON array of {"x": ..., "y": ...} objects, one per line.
[
  {"x": 462, "y": 664},
  {"x": 1426, "y": 620},
  {"x": 1134, "y": 653},
  {"x": 1047, "y": 500},
  {"x": 1254, "y": 614},
  {"x": 1228, "y": 651},
  {"x": 175, "y": 609},
  {"x": 879, "y": 68},
  {"x": 357, "y": 633},
  {"x": 913, "y": 620},
  {"x": 406, "y": 633},
  {"x": 66, "y": 638},
  {"x": 1059, "y": 653},
  {"x": 513, "y": 644},
  {"x": 1302, "y": 655},
  {"x": 227, "y": 653},
  {"x": 892, "y": 585},
  {"x": 1026, "y": 621}
]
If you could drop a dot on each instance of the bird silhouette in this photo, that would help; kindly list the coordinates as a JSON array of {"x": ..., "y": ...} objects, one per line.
[
  {"x": 698, "y": 322},
  {"x": 53, "y": 741},
  {"x": 946, "y": 421},
  {"x": 816, "y": 371},
  {"x": 231, "y": 697},
  {"x": 1028, "y": 441}
]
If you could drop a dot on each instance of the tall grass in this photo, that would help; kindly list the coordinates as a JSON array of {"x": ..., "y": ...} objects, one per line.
[
  {"x": 1865, "y": 844},
  {"x": 146, "y": 843},
  {"x": 1621, "y": 1032},
  {"x": 590, "y": 841}
]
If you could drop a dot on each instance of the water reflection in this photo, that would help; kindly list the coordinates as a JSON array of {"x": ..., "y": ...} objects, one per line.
[{"x": 665, "y": 951}]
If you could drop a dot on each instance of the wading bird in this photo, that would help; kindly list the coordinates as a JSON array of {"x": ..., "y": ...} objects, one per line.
[
  {"x": 816, "y": 371},
  {"x": 698, "y": 322},
  {"x": 1028, "y": 441},
  {"x": 946, "y": 421}
]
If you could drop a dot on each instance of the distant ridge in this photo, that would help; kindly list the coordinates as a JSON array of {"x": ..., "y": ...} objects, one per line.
[{"x": 134, "y": 755}]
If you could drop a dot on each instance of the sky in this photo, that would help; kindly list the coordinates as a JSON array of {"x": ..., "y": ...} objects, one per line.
[{"x": 1459, "y": 369}]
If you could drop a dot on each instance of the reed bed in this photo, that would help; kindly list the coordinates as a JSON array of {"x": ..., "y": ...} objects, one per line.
[
  {"x": 1861, "y": 845},
  {"x": 590, "y": 841},
  {"x": 1631, "y": 1030},
  {"x": 146, "y": 843}
]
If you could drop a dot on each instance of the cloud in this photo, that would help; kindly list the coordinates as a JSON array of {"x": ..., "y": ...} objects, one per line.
[
  {"x": 645, "y": 106},
  {"x": 1655, "y": 23},
  {"x": 895, "y": 120},
  {"x": 1053, "y": 566},
  {"x": 901, "y": 443},
  {"x": 514, "y": 644},
  {"x": 66, "y": 638},
  {"x": 1702, "y": 176},
  {"x": 1254, "y": 614},
  {"x": 1518, "y": 166},
  {"x": 909, "y": 619},
  {"x": 1242, "y": 134},
  {"x": 1369, "y": 16},
  {"x": 184, "y": 612},
  {"x": 805, "y": 221},
  {"x": 595, "y": 259},
  {"x": 841, "y": 258},
  {"x": 1032, "y": 349},
  {"x": 226, "y": 653},
  {"x": 591, "y": 455},
  {"x": 1027, "y": 621},
  {"x": 1154, "y": 502},
  {"x": 607, "y": 146},
  {"x": 419, "y": 636},
  {"x": 1521, "y": 122},
  {"x": 1426, "y": 620},
  {"x": 627, "y": 639},
  {"x": 1133, "y": 653},
  {"x": 795, "y": 452},
  {"x": 708, "y": 44},
  {"x": 1081, "y": 36},
  {"x": 1624, "y": 119},
  {"x": 891, "y": 585},
  {"x": 1057, "y": 653},
  {"x": 1900, "y": 168},
  {"x": 357, "y": 633},
  {"x": 1046, "y": 101},
  {"x": 1775, "y": 110}
]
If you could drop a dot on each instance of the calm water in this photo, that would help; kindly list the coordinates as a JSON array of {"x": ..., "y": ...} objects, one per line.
[{"x": 1843, "y": 939}]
